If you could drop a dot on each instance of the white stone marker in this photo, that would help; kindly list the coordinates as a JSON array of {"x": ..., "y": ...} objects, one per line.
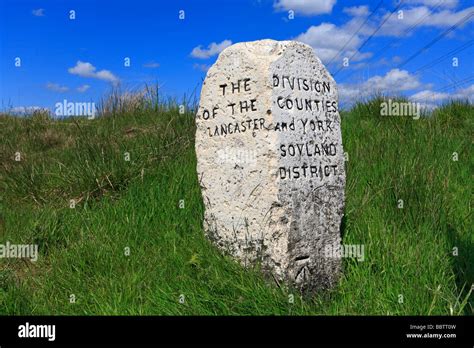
[{"x": 270, "y": 161}]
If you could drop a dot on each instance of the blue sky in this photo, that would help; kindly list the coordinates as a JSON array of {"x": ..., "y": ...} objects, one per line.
[{"x": 81, "y": 59}]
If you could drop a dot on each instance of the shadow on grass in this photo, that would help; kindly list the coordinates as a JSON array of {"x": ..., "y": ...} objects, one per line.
[{"x": 463, "y": 267}]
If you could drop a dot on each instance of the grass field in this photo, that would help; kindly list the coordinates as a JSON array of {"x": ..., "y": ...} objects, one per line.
[{"x": 129, "y": 247}]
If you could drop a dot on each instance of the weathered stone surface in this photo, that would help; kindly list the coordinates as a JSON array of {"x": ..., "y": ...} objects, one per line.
[{"x": 270, "y": 160}]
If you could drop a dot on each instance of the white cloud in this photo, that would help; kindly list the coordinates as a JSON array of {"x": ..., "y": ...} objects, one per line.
[
  {"x": 395, "y": 26},
  {"x": 83, "y": 88},
  {"x": 466, "y": 93},
  {"x": 422, "y": 16},
  {"x": 330, "y": 40},
  {"x": 429, "y": 96},
  {"x": 434, "y": 3},
  {"x": 317, "y": 36},
  {"x": 431, "y": 99},
  {"x": 151, "y": 65},
  {"x": 38, "y": 12},
  {"x": 56, "y": 87},
  {"x": 393, "y": 82},
  {"x": 22, "y": 110},
  {"x": 447, "y": 18},
  {"x": 349, "y": 94},
  {"x": 106, "y": 75},
  {"x": 396, "y": 81},
  {"x": 202, "y": 67},
  {"x": 357, "y": 11},
  {"x": 212, "y": 49},
  {"x": 397, "y": 59},
  {"x": 85, "y": 69},
  {"x": 305, "y": 7},
  {"x": 327, "y": 40}
]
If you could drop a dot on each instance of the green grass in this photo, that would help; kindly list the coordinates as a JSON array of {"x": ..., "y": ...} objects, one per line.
[{"x": 136, "y": 204}]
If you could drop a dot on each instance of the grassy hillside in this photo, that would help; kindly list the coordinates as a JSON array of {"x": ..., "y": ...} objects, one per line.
[{"x": 129, "y": 247}]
